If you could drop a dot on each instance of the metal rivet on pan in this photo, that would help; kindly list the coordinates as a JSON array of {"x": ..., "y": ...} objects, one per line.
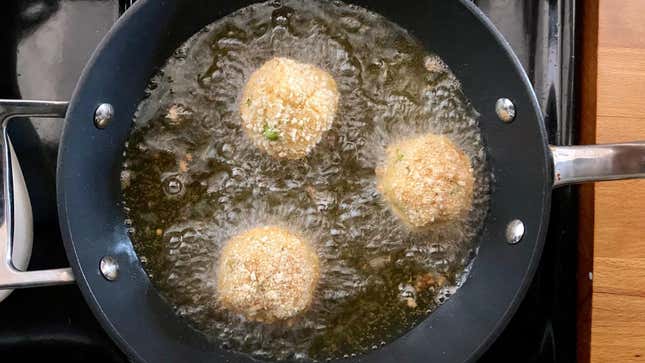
[
  {"x": 173, "y": 186},
  {"x": 103, "y": 115},
  {"x": 514, "y": 231},
  {"x": 109, "y": 268},
  {"x": 505, "y": 109}
]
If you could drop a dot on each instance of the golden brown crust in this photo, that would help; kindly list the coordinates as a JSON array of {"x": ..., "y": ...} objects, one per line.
[
  {"x": 295, "y": 102},
  {"x": 267, "y": 273},
  {"x": 425, "y": 180}
]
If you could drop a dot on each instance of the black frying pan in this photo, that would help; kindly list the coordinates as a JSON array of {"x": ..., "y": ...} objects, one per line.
[{"x": 144, "y": 325}]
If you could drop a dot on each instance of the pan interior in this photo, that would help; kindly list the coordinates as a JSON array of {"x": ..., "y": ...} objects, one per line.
[
  {"x": 141, "y": 320},
  {"x": 191, "y": 179}
]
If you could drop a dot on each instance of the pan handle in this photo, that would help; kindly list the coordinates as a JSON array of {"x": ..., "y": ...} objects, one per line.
[
  {"x": 10, "y": 276},
  {"x": 589, "y": 163}
]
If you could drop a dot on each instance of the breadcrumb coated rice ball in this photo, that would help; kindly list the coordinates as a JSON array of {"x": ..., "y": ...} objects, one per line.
[
  {"x": 267, "y": 273},
  {"x": 286, "y": 106},
  {"x": 426, "y": 180}
]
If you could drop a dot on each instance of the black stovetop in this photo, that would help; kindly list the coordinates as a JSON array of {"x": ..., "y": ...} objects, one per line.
[{"x": 43, "y": 47}]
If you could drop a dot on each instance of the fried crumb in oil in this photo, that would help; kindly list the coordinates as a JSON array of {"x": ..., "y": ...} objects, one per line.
[
  {"x": 425, "y": 281},
  {"x": 176, "y": 114}
]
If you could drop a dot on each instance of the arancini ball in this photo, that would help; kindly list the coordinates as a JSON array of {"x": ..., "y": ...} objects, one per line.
[
  {"x": 426, "y": 180},
  {"x": 267, "y": 273},
  {"x": 286, "y": 107}
]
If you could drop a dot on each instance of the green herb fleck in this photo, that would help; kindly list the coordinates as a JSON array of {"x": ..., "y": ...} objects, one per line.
[
  {"x": 399, "y": 155},
  {"x": 270, "y": 133},
  {"x": 248, "y": 102}
]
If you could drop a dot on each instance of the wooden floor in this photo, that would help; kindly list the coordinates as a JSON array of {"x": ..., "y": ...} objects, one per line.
[{"x": 615, "y": 238}]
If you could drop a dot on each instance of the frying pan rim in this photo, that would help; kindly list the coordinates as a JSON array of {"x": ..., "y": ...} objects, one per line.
[
  {"x": 546, "y": 194},
  {"x": 64, "y": 221},
  {"x": 93, "y": 302}
]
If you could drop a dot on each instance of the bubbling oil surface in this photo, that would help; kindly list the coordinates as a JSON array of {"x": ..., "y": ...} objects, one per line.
[{"x": 191, "y": 179}]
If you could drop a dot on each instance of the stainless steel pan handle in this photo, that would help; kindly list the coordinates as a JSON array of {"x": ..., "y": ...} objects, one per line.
[
  {"x": 10, "y": 277},
  {"x": 589, "y": 163}
]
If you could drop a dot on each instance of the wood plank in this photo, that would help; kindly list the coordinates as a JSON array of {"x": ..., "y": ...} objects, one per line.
[
  {"x": 619, "y": 232},
  {"x": 617, "y": 314},
  {"x": 621, "y": 82},
  {"x": 621, "y": 23},
  {"x": 618, "y": 128},
  {"x": 618, "y": 333},
  {"x": 618, "y": 276}
]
